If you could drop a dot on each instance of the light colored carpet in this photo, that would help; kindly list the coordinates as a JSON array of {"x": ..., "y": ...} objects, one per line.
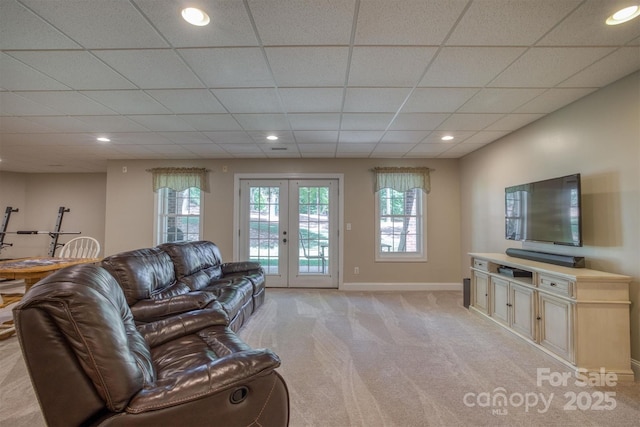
[{"x": 392, "y": 359}]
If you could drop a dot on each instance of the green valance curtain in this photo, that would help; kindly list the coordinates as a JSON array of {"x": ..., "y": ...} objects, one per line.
[
  {"x": 179, "y": 179},
  {"x": 403, "y": 178}
]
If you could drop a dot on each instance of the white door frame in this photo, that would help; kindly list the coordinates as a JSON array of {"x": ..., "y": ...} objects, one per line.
[{"x": 236, "y": 208}]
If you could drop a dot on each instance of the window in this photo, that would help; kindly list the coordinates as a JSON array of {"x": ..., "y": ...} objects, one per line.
[
  {"x": 400, "y": 225},
  {"x": 179, "y": 215}
]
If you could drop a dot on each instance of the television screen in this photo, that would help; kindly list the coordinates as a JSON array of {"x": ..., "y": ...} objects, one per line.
[{"x": 545, "y": 211}]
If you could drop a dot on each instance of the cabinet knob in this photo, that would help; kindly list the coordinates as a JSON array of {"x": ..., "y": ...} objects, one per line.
[
  {"x": 538, "y": 318},
  {"x": 553, "y": 284}
]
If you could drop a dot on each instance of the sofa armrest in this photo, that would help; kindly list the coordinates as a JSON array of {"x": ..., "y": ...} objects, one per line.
[
  {"x": 153, "y": 309},
  {"x": 204, "y": 380},
  {"x": 240, "y": 267},
  {"x": 171, "y": 328}
]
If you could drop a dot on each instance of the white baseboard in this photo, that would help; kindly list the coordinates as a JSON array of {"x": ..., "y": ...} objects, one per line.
[
  {"x": 635, "y": 367},
  {"x": 401, "y": 287}
]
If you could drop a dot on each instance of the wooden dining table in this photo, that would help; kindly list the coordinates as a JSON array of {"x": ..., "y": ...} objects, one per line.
[{"x": 34, "y": 269}]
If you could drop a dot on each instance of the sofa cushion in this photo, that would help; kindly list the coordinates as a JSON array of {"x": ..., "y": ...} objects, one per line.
[
  {"x": 144, "y": 274},
  {"x": 191, "y": 258}
]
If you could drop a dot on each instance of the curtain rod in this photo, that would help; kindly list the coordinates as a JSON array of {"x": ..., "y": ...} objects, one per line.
[{"x": 402, "y": 169}]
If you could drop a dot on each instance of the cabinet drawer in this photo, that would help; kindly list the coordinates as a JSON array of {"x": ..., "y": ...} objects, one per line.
[
  {"x": 481, "y": 264},
  {"x": 556, "y": 285}
]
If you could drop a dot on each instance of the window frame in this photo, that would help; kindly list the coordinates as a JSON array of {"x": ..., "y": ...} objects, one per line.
[
  {"x": 419, "y": 256},
  {"x": 160, "y": 218}
]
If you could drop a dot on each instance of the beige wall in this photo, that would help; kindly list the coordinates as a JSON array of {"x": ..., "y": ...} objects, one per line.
[
  {"x": 38, "y": 198},
  {"x": 130, "y": 207},
  {"x": 597, "y": 136}
]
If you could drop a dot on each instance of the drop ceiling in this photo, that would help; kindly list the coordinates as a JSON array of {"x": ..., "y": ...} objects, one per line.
[{"x": 330, "y": 78}]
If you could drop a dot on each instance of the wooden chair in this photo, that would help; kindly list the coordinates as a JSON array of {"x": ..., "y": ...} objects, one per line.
[{"x": 80, "y": 247}]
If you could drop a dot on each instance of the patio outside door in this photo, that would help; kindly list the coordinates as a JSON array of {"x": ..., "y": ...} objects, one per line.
[{"x": 289, "y": 226}]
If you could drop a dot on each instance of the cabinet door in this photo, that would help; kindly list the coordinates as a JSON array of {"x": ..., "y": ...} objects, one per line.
[
  {"x": 556, "y": 325},
  {"x": 500, "y": 300},
  {"x": 481, "y": 291},
  {"x": 523, "y": 309}
]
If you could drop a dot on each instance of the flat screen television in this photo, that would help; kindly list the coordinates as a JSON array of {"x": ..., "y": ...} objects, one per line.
[{"x": 546, "y": 211}]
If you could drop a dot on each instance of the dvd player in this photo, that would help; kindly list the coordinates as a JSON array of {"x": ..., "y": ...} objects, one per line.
[{"x": 514, "y": 272}]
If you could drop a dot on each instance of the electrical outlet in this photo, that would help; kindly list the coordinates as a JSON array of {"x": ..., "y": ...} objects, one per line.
[
  {"x": 356, "y": 270},
  {"x": 124, "y": 169}
]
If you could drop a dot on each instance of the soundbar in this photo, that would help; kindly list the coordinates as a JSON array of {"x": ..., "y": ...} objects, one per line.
[{"x": 563, "y": 260}]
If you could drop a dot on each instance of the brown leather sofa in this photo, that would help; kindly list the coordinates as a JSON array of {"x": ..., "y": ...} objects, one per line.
[
  {"x": 93, "y": 363},
  {"x": 178, "y": 277}
]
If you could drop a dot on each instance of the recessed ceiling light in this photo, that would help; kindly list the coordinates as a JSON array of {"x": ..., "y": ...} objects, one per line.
[
  {"x": 103, "y": 139},
  {"x": 272, "y": 138},
  {"x": 195, "y": 16},
  {"x": 447, "y": 138},
  {"x": 624, "y": 15}
]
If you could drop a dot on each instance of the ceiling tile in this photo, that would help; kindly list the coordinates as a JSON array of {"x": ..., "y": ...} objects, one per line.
[
  {"x": 418, "y": 121},
  {"x": 308, "y": 22},
  {"x": 460, "y": 121},
  {"x": 356, "y": 148},
  {"x": 14, "y": 104},
  {"x": 106, "y": 124},
  {"x": 509, "y": 22},
  {"x": 512, "y": 122},
  {"x": 391, "y": 150},
  {"x": 231, "y": 137},
  {"x": 389, "y": 66},
  {"x": 308, "y": 66},
  {"x": 139, "y": 66},
  {"x": 127, "y": 101},
  {"x": 612, "y": 67},
  {"x": 311, "y": 100},
  {"x": 68, "y": 102},
  {"x": 407, "y": 22},
  {"x": 138, "y": 138},
  {"x": 368, "y": 121},
  {"x": 236, "y": 148},
  {"x": 437, "y": 100},
  {"x": 162, "y": 122},
  {"x": 496, "y": 100},
  {"x": 321, "y": 121},
  {"x": 469, "y": 66},
  {"x": 20, "y": 28},
  {"x": 99, "y": 24},
  {"x": 368, "y": 136},
  {"x": 188, "y": 101},
  {"x": 316, "y": 136},
  {"x": 460, "y": 150},
  {"x": 60, "y": 123},
  {"x": 404, "y": 136},
  {"x": 484, "y": 137},
  {"x": 207, "y": 150},
  {"x": 548, "y": 66},
  {"x": 15, "y": 75},
  {"x": 76, "y": 69},
  {"x": 428, "y": 149},
  {"x": 374, "y": 100},
  {"x": 230, "y": 24},
  {"x": 316, "y": 148},
  {"x": 229, "y": 67},
  {"x": 553, "y": 99},
  {"x": 185, "y": 138},
  {"x": 262, "y": 122},
  {"x": 211, "y": 122},
  {"x": 252, "y": 100}
]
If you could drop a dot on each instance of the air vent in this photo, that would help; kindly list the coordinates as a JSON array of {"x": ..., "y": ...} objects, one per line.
[{"x": 278, "y": 148}]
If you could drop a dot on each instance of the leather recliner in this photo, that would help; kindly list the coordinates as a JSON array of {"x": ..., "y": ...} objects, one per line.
[{"x": 91, "y": 365}]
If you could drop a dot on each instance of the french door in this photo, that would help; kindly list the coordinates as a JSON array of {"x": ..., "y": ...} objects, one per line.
[{"x": 290, "y": 227}]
